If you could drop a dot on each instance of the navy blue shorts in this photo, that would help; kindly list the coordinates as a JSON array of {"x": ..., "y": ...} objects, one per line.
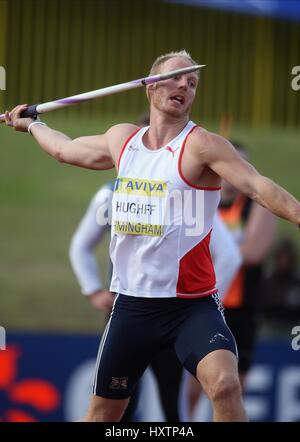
[{"x": 139, "y": 328}]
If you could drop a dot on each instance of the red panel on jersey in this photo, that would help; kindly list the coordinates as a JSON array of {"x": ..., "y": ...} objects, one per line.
[{"x": 196, "y": 271}]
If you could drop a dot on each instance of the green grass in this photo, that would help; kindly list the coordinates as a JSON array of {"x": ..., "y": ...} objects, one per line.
[{"x": 42, "y": 202}]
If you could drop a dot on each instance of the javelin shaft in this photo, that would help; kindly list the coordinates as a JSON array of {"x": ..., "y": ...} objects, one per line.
[{"x": 35, "y": 109}]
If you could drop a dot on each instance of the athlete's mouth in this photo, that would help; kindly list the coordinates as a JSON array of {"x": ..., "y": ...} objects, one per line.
[{"x": 177, "y": 98}]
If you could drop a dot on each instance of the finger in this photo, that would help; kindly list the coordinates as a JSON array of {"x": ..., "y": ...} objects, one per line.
[
  {"x": 17, "y": 110},
  {"x": 7, "y": 119}
]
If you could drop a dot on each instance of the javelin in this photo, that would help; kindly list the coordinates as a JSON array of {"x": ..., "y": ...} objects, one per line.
[{"x": 35, "y": 109}]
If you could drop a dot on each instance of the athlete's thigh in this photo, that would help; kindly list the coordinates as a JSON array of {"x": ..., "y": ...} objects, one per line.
[
  {"x": 203, "y": 331},
  {"x": 124, "y": 352}
]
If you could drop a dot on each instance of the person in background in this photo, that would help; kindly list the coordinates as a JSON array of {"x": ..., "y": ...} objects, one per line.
[
  {"x": 253, "y": 229},
  {"x": 280, "y": 300}
]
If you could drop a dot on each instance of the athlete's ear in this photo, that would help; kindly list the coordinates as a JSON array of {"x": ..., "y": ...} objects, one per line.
[{"x": 149, "y": 89}]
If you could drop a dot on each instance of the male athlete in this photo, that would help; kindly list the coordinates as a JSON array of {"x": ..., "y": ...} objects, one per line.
[
  {"x": 165, "y": 366},
  {"x": 169, "y": 176}
]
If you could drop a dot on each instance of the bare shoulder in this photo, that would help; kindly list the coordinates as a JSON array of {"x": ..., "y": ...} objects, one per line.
[
  {"x": 120, "y": 132},
  {"x": 116, "y": 138},
  {"x": 209, "y": 144}
]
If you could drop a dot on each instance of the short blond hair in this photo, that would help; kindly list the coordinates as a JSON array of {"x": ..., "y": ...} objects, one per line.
[
  {"x": 174, "y": 54},
  {"x": 163, "y": 58}
]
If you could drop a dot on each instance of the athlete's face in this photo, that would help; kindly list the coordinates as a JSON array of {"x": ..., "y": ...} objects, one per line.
[{"x": 176, "y": 95}]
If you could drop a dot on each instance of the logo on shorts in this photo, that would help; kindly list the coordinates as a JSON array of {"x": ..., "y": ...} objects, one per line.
[
  {"x": 218, "y": 336},
  {"x": 118, "y": 383}
]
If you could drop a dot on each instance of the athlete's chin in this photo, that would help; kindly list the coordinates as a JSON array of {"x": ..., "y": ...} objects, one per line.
[
  {"x": 176, "y": 112},
  {"x": 172, "y": 111}
]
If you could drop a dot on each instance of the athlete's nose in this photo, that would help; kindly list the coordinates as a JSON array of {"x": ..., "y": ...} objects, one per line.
[{"x": 182, "y": 82}]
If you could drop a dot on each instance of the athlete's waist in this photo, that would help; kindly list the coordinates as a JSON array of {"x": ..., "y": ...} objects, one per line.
[
  {"x": 162, "y": 300},
  {"x": 167, "y": 296}
]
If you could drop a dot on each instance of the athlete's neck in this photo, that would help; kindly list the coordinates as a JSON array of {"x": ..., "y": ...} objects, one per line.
[{"x": 163, "y": 129}]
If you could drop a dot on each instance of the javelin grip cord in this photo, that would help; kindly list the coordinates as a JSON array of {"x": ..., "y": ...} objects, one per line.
[{"x": 30, "y": 112}]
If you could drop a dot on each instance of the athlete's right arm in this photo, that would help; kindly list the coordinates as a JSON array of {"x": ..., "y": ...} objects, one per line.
[{"x": 92, "y": 152}]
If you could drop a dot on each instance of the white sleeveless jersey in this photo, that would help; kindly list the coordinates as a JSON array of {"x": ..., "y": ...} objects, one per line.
[{"x": 161, "y": 224}]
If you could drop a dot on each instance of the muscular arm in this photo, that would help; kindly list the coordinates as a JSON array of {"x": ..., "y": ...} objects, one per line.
[
  {"x": 92, "y": 152},
  {"x": 220, "y": 156}
]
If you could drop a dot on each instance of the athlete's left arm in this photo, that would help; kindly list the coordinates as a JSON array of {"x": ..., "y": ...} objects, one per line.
[{"x": 220, "y": 156}]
